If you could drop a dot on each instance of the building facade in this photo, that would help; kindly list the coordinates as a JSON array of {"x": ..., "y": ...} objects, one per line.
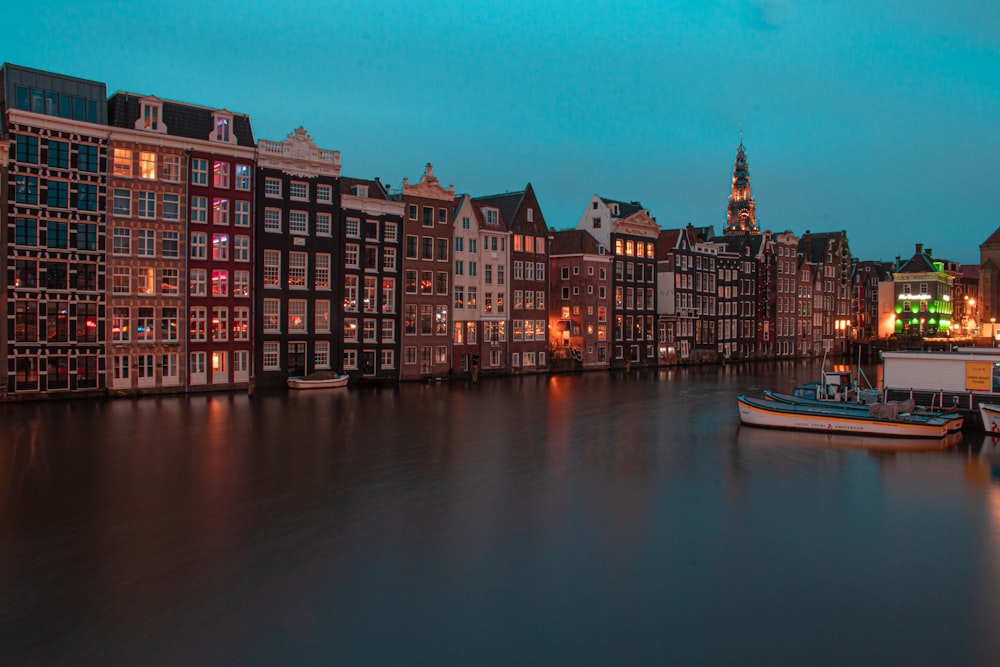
[
  {"x": 370, "y": 304},
  {"x": 56, "y": 227},
  {"x": 299, "y": 250},
  {"x": 429, "y": 234},
  {"x": 580, "y": 306}
]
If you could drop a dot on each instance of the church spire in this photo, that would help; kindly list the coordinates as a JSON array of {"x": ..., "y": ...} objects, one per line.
[{"x": 741, "y": 215}]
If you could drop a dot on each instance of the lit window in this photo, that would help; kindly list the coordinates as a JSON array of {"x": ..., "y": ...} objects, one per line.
[
  {"x": 147, "y": 166},
  {"x": 122, "y": 162}
]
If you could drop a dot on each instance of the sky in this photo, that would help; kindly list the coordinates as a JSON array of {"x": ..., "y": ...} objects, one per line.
[{"x": 880, "y": 118}]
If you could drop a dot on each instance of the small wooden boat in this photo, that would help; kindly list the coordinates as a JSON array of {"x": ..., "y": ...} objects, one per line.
[
  {"x": 880, "y": 421},
  {"x": 318, "y": 380},
  {"x": 991, "y": 418},
  {"x": 760, "y": 439}
]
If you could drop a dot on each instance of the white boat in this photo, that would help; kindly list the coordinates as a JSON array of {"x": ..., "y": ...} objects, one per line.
[
  {"x": 864, "y": 409},
  {"x": 318, "y": 380},
  {"x": 991, "y": 418},
  {"x": 882, "y": 419}
]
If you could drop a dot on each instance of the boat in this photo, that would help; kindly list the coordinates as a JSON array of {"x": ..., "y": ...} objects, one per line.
[
  {"x": 882, "y": 419},
  {"x": 318, "y": 380},
  {"x": 956, "y": 419},
  {"x": 755, "y": 437},
  {"x": 991, "y": 418}
]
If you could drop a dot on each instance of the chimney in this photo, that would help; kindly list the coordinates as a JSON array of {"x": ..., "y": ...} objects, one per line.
[
  {"x": 930, "y": 253},
  {"x": 920, "y": 248}
]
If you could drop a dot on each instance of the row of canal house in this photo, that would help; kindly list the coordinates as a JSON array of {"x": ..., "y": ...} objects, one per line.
[{"x": 154, "y": 245}]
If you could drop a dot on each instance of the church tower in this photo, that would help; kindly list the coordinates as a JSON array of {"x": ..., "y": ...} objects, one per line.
[{"x": 741, "y": 215}]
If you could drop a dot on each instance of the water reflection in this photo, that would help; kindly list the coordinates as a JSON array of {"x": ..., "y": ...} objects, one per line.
[{"x": 601, "y": 518}]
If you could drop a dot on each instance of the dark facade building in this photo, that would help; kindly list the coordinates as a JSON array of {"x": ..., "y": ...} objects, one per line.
[
  {"x": 4, "y": 152},
  {"x": 221, "y": 155},
  {"x": 868, "y": 275},
  {"x": 630, "y": 233},
  {"x": 429, "y": 234},
  {"x": 786, "y": 288},
  {"x": 299, "y": 250},
  {"x": 829, "y": 256},
  {"x": 529, "y": 287},
  {"x": 56, "y": 202},
  {"x": 370, "y": 304}
]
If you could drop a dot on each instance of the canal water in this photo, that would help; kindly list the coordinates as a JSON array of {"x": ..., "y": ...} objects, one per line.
[{"x": 597, "y": 519}]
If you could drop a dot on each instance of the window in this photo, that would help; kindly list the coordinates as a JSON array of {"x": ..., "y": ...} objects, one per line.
[
  {"x": 322, "y": 316},
  {"x": 222, "y": 129},
  {"x": 26, "y": 190},
  {"x": 168, "y": 325},
  {"x": 272, "y": 220},
  {"x": 55, "y": 234},
  {"x": 86, "y": 236},
  {"x": 388, "y": 331},
  {"x": 272, "y": 187},
  {"x": 298, "y": 222},
  {"x": 144, "y": 328},
  {"x": 351, "y": 255},
  {"x": 199, "y": 209},
  {"x": 86, "y": 159},
  {"x": 25, "y": 231},
  {"x": 298, "y": 190},
  {"x": 170, "y": 244},
  {"x": 220, "y": 283},
  {"x": 271, "y": 357},
  {"x": 272, "y": 268},
  {"x": 199, "y": 324},
  {"x": 86, "y": 197},
  {"x": 242, "y": 180},
  {"x": 121, "y": 280},
  {"x": 272, "y": 316},
  {"x": 389, "y": 232},
  {"x": 120, "y": 325},
  {"x": 171, "y": 170},
  {"x": 241, "y": 283},
  {"x": 324, "y": 224},
  {"x": 241, "y": 248},
  {"x": 121, "y": 161},
  {"x": 428, "y": 217},
  {"x": 171, "y": 206},
  {"x": 150, "y": 117},
  {"x": 371, "y": 287},
  {"x": 145, "y": 242},
  {"x": 199, "y": 171},
  {"x": 389, "y": 259},
  {"x": 322, "y": 271},
  {"x": 297, "y": 315},
  {"x": 220, "y": 211},
  {"x": 58, "y": 154},
  {"x": 146, "y": 204},
  {"x": 297, "y": 265},
  {"x": 220, "y": 323},
  {"x": 411, "y": 247},
  {"x": 57, "y": 194},
  {"x": 350, "y": 330},
  {"x": 27, "y": 148},
  {"x": 388, "y": 295},
  {"x": 147, "y": 166},
  {"x": 241, "y": 213},
  {"x": 197, "y": 282},
  {"x": 220, "y": 175},
  {"x": 170, "y": 282},
  {"x": 241, "y": 323},
  {"x": 321, "y": 354},
  {"x": 324, "y": 194},
  {"x": 220, "y": 247},
  {"x": 199, "y": 245},
  {"x": 350, "y": 359},
  {"x": 55, "y": 275}
]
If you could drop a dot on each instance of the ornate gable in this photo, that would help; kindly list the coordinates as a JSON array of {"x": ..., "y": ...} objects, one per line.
[
  {"x": 298, "y": 155},
  {"x": 429, "y": 187}
]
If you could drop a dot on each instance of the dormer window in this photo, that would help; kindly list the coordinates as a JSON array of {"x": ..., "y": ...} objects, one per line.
[
  {"x": 614, "y": 209},
  {"x": 359, "y": 191},
  {"x": 151, "y": 116},
  {"x": 222, "y": 128}
]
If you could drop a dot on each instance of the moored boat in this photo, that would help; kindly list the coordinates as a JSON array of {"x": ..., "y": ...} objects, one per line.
[
  {"x": 318, "y": 380},
  {"x": 755, "y": 437},
  {"x": 991, "y": 418},
  {"x": 881, "y": 420},
  {"x": 866, "y": 409}
]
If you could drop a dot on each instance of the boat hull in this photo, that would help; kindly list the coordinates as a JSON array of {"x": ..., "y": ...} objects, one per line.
[
  {"x": 956, "y": 420},
  {"x": 991, "y": 418},
  {"x": 332, "y": 383},
  {"x": 775, "y": 415}
]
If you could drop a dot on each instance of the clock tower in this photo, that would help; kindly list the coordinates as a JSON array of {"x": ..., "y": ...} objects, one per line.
[{"x": 741, "y": 215}]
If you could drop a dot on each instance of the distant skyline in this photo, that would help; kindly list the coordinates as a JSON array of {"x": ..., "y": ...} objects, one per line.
[{"x": 880, "y": 119}]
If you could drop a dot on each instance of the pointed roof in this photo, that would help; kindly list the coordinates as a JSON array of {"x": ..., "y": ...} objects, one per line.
[
  {"x": 921, "y": 262},
  {"x": 574, "y": 242},
  {"x": 993, "y": 239},
  {"x": 508, "y": 203},
  {"x": 625, "y": 209}
]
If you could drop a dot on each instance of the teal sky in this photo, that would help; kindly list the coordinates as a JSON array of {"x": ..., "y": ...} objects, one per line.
[{"x": 878, "y": 118}]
